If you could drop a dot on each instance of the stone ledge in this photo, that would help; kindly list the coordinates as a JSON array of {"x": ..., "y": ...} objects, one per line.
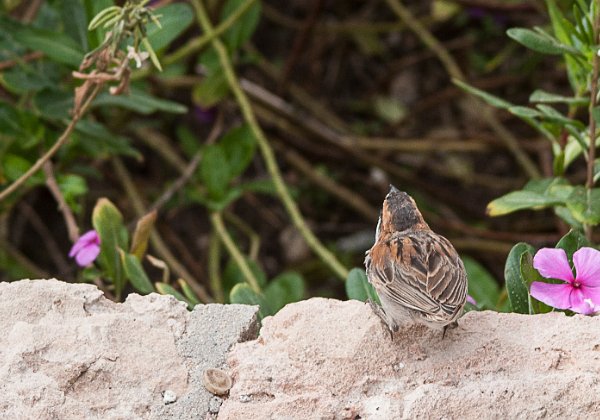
[
  {"x": 323, "y": 358},
  {"x": 67, "y": 352}
]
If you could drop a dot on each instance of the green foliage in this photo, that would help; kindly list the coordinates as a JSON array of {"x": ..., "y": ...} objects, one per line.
[
  {"x": 237, "y": 36},
  {"x": 482, "y": 285},
  {"x": 359, "y": 288},
  {"x": 287, "y": 287},
  {"x": 516, "y": 284},
  {"x": 117, "y": 265}
]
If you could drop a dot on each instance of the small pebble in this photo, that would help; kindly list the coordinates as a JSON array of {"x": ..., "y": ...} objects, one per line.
[
  {"x": 169, "y": 397},
  {"x": 245, "y": 398},
  {"x": 217, "y": 381}
]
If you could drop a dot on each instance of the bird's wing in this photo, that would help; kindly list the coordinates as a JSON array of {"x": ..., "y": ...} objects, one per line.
[{"x": 420, "y": 271}]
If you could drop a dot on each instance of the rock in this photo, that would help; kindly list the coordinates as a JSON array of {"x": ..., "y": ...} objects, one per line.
[
  {"x": 211, "y": 331},
  {"x": 324, "y": 358},
  {"x": 67, "y": 352}
]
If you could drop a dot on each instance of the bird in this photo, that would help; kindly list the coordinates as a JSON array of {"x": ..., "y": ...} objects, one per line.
[{"x": 417, "y": 273}]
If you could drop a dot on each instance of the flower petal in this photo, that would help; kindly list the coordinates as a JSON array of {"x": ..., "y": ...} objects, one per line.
[
  {"x": 552, "y": 263},
  {"x": 579, "y": 304},
  {"x": 587, "y": 265},
  {"x": 591, "y": 293},
  {"x": 87, "y": 255},
  {"x": 89, "y": 236},
  {"x": 471, "y": 300},
  {"x": 555, "y": 295}
]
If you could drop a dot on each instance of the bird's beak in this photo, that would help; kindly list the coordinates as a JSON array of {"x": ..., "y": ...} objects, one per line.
[{"x": 393, "y": 189}]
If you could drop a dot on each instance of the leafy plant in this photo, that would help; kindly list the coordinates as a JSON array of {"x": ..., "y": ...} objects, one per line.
[{"x": 575, "y": 38}]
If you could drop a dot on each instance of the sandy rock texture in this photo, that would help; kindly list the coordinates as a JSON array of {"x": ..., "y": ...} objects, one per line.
[
  {"x": 66, "y": 352},
  {"x": 324, "y": 358}
]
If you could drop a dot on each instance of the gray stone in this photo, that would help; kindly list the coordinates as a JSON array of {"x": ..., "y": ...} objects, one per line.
[
  {"x": 66, "y": 352},
  {"x": 212, "y": 330}
]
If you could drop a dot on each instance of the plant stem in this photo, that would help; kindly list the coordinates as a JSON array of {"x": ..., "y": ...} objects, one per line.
[
  {"x": 214, "y": 275},
  {"x": 217, "y": 221},
  {"x": 267, "y": 152}
]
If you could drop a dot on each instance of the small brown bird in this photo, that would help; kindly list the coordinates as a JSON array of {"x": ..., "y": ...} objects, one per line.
[{"x": 417, "y": 273}]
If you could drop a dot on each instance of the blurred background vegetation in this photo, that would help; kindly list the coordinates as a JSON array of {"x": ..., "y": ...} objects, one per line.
[{"x": 337, "y": 99}]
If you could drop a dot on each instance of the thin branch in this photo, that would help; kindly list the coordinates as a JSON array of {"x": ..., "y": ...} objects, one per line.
[
  {"x": 63, "y": 207},
  {"x": 63, "y": 139},
  {"x": 313, "y": 242}
]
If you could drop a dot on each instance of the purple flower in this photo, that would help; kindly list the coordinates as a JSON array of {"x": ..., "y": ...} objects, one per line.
[
  {"x": 580, "y": 293},
  {"x": 86, "y": 249},
  {"x": 471, "y": 300}
]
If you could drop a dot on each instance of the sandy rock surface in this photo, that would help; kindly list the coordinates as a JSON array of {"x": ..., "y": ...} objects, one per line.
[
  {"x": 324, "y": 358},
  {"x": 66, "y": 352}
]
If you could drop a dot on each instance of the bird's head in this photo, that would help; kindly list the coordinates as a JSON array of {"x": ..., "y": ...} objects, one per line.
[{"x": 399, "y": 213}]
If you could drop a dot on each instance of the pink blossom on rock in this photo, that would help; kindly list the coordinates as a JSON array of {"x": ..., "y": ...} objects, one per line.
[
  {"x": 579, "y": 293},
  {"x": 86, "y": 249}
]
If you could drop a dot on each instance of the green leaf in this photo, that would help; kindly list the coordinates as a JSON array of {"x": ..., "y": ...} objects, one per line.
[
  {"x": 174, "y": 19},
  {"x": 98, "y": 141},
  {"x": 540, "y": 43},
  {"x": 57, "y": 46},
  {"x": 135, "y": 273},
  {"x": 566, "y": 33},
  {"x": 283, "y": 289},
  {"x": 518, "y": 293},
  {"x": 108, "y": 222},
  {"x": 24, "y": 78},
  {"x": 585, "y": 205},
  {"x": 572, "y": 241},
  {"x": 211, "y": 90},
  {"x": 490, "y": 99},
  {"x": 189, "y": 293},
  {"x": 140, "y": 102},
  {"x": 551, "y": 114},
  {"x": 167, "y": 289},
  {"x": 358, "y": 287},
  {"x": 524, "y": 112},
  {"x": 529, "y": 275},
  {"x": 75, "y": 21},
  {"x": 541, "y": 96},
  {"x": 141, "y": 234},
  {"x": 72, "y": 188},
  {"x": 53, "y": 104},
  {"x": 239, "y": 145},
  {"x": 232, "y": 275},
  {"x": 245, "y": 25},
  {"x": 596, "y": 170},
  {"x": 519, "y": 200},
  {"x": 482, "y": 285},
  {"x": 596, "y": 114},
  {"x": 214, "y": 171},
  {"x": 14, "y": 166},
  {"x": 243, "y": 294}
]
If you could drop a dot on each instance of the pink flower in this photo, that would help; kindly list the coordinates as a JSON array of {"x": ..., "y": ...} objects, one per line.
[
  {"x": 580, "y": 293},
  {"x": 471, "y": 300},
  {"x": 86, "y": 249}
]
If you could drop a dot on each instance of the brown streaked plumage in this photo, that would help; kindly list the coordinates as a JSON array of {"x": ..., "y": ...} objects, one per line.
[{"x": 417, "y": 273}]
